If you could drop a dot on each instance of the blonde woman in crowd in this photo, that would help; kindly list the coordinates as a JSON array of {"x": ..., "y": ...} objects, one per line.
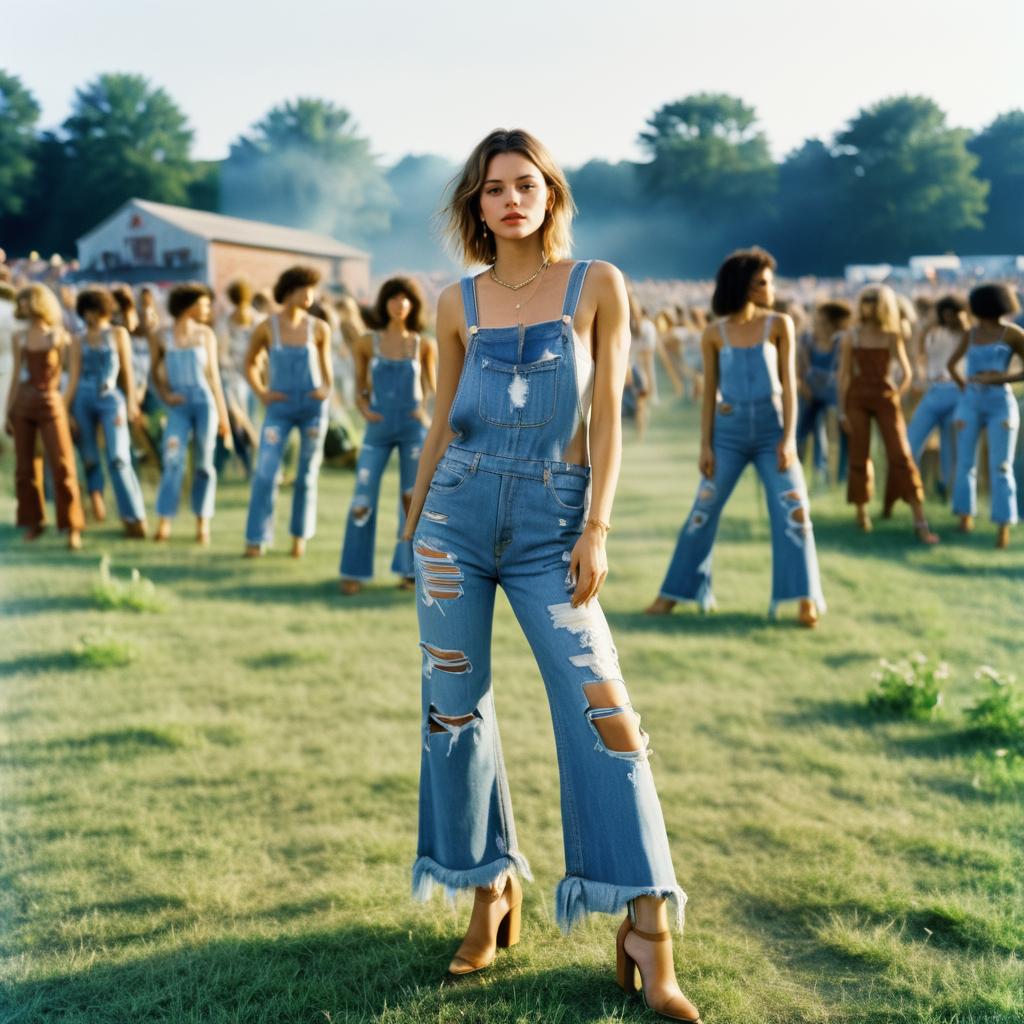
[
  {"x": 36, "y": 409},
  {"x": 867, "y": 391}
]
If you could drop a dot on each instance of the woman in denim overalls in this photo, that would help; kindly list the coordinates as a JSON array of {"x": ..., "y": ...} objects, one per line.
[
  {"x": 987, "y": 403},
  {"x": 98, "y": 357},
  {"x": 752, "y": 421},
  {"x": 296, "y": 346},
  {"x": 937, "y": 407},
  {"x": 395, "y": 372},
  {"x": 505, "y": 496},
  {"x": 186, "y": 376}
]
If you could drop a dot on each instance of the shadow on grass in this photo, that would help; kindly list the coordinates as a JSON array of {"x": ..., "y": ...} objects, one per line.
[
  {"x": 688, "y": 620},
  {"x": 47, "y": 603},
  {"x": 356, "y": 974},
  {"x": 113, "y": 745},
  {"x": 57, "y": 661},
  {"x": 320, "y": 591}
]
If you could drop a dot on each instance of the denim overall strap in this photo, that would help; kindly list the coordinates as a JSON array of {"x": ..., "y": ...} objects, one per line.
[
  {"x": 574, "y": 289},
  {"x": 723, "y": 333},
  {"x": 468, "y": 286},
  {"x": 275, "y": 332},
  {"x": 768, "y": 327},
  {"x": 376, "y": 344}
]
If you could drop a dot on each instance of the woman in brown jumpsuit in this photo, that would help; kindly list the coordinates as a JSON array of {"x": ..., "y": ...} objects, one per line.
[
  {"x": 35, "y": 406},
  {"x": 866, "y": 390}
]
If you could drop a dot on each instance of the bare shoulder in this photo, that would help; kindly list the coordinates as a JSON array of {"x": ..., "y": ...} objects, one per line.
[
  {"x": 450, "y": 300},
  {"x": 1014, "y": 334},
  {"x": 781, "y": 325},
  {"x": 322, "y": 331},
  {"x": 602, "y": 275},
  {"x": 711, "y": 335}
]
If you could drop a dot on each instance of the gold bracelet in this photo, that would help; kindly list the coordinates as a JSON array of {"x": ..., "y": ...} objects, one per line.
[{"x": 605, "y": 527}]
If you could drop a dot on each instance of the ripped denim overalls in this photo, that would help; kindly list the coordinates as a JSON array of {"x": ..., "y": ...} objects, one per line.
[
  {"x": 503, "y": 509},
  {"x": 747, "y": 429}
]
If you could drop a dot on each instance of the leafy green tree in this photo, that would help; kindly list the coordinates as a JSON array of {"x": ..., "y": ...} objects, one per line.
[
  {"x": 1000, "y": 152},
  {"x": 19, "y": 112},
  {"x": 124, "y": 138},
  {"x": 305, "y": 165},
  {"x": 708, "y": 153},
  {"x": 907, "y": 181}
]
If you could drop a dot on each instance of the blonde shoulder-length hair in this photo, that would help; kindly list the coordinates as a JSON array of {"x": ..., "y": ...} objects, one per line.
[
  {"x": 887, "y": 316},
  {"x": 37, "y": 302},
  {"x": 463, "y": 223}
]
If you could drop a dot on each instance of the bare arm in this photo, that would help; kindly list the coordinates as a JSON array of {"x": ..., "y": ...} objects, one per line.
[
  {"x": 124, "y": 351},
  {"x": 845, "y": 372},
  {"x": 954, "y": 359},
  {"x": 709, "y": 350},
  {"x": 254, "y": 360},
  {"x": 323, "y": 351},
  {"x": 159, "y": 372},
  {"x": 451, "y": 355},
  {"x": 428, "y": 371},
  {"x": 213, "y": 377},
  {"x": 802, "y": 363},
  {"x": 899, "y": 351},
  {"x": 787, "y": 373},
  {"x": 15, "y": 378},
  {"x": 589, "y": 560},
  {"x": 74, "y": 371},
  {"x": 362, "y": 353}
]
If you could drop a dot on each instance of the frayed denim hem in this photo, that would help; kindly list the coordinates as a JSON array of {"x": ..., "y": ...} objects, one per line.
[
  {"x": 577, "y": 897},
  {"x": 704, "y": 599},
  {"x": 819, "y": 604},
  {"x": 427, "y": 873}
]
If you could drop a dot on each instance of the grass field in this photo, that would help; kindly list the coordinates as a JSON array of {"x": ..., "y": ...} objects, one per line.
[{"x": 208, "y": 809}]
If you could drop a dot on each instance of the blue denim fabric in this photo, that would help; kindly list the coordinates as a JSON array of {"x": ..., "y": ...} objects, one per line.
[
  {"x": 993, "y": 409},
  {"x": 743, "y": 433},
  {"x": 295, "y": 372},
  {"x": 196, "y": 416},
  {"x": 936, "y": 411},
  {"x": 503, "y": 510},
  {"x": 812, "y": 420},
  {"x": 99, "y": 403},
  {"x": 394, "y": 394}
]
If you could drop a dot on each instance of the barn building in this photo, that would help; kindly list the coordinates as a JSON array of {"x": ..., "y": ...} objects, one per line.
[{"x": 160, "y": 244}]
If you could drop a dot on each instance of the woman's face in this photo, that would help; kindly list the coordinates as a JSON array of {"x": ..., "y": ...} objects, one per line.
[
  {"x": 515, "y": 198},
  {"x": 869, "y": 308},
  {"x": 301, "y": 298},
  {"x": 200, "y": 310},
  {"x": 762, "y": 288},
  {"x": 399, "y": 307}
]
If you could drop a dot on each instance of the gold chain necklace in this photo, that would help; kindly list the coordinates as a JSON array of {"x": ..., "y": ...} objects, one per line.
[{"x": 521, "y": 284}]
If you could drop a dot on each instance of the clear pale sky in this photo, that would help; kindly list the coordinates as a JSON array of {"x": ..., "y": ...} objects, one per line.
[{"x": 435, "y": 75}]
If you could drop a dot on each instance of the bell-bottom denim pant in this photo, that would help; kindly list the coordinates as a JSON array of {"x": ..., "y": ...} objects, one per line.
[
  {"x": 748, "y": 433},
  {"x": 996, "y": 411},
  {"x": 398, "y": 430},
  {"x": 309, "y": 417},
  {"x": 196, "y": 417},
  {"x": 492, "y": 521},
  {"x": 107, "y": 410},
  {"x": 936, "y": 411}
]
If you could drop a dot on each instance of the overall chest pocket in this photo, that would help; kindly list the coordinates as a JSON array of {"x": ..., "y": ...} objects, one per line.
[{"x": 518, "y": 396}]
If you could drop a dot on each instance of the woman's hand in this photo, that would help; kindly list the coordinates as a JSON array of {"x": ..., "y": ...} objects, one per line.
[
  {"x": 368, "y": 414},
  {"x": 134, "y": 413},
  {"x": 321, "y": 394},
  {"x": 173, "y": 398},
  {"x": 419, "y": 413},
  {"x": 588, "y": 565},
  {"x": 269, "y": 397},
  {"x": 844, "y": 421},
  {"x": 224, "y": 431},
  {"x": 72, "y": 426},
  {"x": 706, "y": 462},
  {"x": 786, "y": 451}
]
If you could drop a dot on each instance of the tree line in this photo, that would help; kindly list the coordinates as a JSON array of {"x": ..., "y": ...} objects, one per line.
[{"x": 895, "y": 181}]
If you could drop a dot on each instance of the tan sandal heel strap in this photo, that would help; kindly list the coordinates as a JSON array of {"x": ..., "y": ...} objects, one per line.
[{"x": 653, "y": 936}]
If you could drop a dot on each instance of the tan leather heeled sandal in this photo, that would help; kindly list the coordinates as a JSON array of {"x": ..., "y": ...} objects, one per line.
[
  {"x": 480, "y": 947},
  {"x": 630, "y": 979}
]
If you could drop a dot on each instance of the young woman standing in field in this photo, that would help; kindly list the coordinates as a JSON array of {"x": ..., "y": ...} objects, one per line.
[
  {"x": 99, "y": 357},
  {"x": 533, "y": 356},
  {"x": 396, "y": 371},
  {"x": 938, "y": 404},
  {"x": 35, "y": 408},
  {"x": 987, "y": 403},
  {"x": 296, "y": 349},
  {"x": 749, "y": 416},
  {"x": 186, "y": 376},
  {"x": 866, "y": 391}
]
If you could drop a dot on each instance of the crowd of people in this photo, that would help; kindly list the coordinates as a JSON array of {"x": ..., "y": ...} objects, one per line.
[{"x": 507, "y": 419}]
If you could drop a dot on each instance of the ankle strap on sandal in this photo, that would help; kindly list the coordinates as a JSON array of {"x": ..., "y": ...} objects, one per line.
[{"x": 653, "y": 936}]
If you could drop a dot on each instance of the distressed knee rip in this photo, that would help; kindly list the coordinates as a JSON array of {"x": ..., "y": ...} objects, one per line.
[
  {"x": 440, "y": 577},
  {"x": 453, "y": 662},
  {"x": 454, "y": 725},
  {"x": 361, "y": 514},
  {"x": 271, "y": 435},
  {"x": 611, "y": 714},
  {"x": 172, "y": 450},
  {"x": 798, "y": 521}
]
